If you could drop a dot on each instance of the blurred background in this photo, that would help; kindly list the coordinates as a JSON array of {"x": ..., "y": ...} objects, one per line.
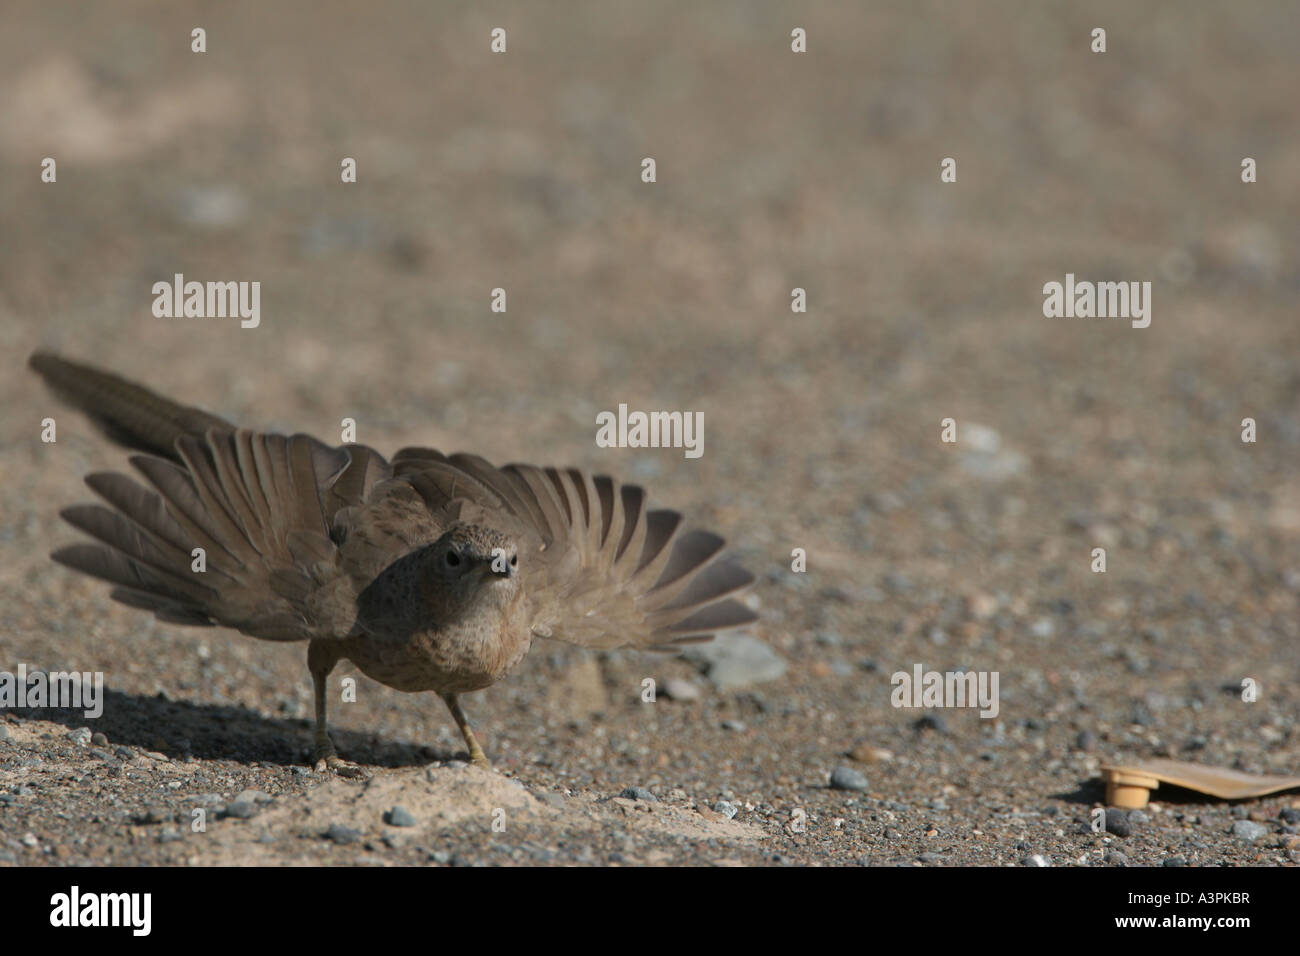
[{"x": 775, "y": 170}]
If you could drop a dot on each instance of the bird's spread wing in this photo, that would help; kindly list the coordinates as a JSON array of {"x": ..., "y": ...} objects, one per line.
[
  {"x": 599, "y": 567},
  {"x": 261, "y": 506}
]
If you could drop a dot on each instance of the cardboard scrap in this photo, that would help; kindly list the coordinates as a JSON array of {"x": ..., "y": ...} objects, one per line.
[{"x": 1129, "y": 785}]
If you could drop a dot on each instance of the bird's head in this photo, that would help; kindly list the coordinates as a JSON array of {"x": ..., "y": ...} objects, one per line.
[{"x": 471, "y": 563}]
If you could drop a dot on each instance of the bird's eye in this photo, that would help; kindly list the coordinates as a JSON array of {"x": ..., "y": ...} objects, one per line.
[
  {"x": 514, "y": 560},
  {"x": 452, "y": 559}
]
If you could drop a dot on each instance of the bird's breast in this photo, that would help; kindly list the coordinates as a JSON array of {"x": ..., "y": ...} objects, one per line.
[{"x": 469, "y": 656}]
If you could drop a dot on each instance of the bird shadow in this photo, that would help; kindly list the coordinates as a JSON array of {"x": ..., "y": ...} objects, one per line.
[{"x": 180, "y": 729}]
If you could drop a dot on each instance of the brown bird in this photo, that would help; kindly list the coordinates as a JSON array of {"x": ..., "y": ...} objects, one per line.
[{"x": 429, "y": 572}]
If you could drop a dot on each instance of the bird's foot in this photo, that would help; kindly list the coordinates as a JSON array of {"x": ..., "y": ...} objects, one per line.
[{"x": 325, "y": 760}]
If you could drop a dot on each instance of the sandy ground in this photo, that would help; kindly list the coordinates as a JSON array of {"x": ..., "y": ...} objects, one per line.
[{"x": 775, "y": 170}]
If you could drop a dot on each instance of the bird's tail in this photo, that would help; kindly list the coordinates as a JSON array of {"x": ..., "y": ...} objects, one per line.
[{"x": 127, "y": 413}]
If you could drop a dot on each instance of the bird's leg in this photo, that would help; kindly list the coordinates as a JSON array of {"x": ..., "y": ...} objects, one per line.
[
  {"x": 321, "y": 658},
  {"x": 475, "y": 751}
]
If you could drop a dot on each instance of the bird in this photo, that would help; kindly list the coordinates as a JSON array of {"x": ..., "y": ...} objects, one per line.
[{"x": 428, "y": 572}]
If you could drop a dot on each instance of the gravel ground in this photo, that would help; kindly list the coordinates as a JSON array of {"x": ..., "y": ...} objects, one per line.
[{"x": 774, "y": 171}]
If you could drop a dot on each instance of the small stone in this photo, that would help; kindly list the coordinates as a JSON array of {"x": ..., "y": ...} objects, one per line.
[
  {"x": 734, "y": 661},
  {"x": 124, "y": 753},
  {"x": 1086, "y": 741},
  {"x": 934, "y": 859},
  {"x": 932, "y": 722},
  {"x": 675, "y": 688},
  {"x": 442, "y": 857},
  {"x": 99, "y": 740},
  {"x": 252, "y": 796},
  {"x": 1249, "y": 830},
  {"x": 981, "y": 606},
  {"x": 240, "y": 809},
  {"x": 342, "y": 835},
  {"x": 1036, "y": 859},
  {"x": 1116, "y": 857},
  {"x": 734, "y": 725},
  {"x": 866, "y": 753},
  {"x": 638, "y": 793},
  {"x": 1173, "y": 861},
  {"x": 1290, "y": 815},
  {"x": 29, "y": 839},
  {"x": 846, "y": 778},
  {"x": 4, "y": 733},
  {"x": 399, "y": 816},
  {"x": 728, "y": 810},
  {"x": 81, "y": 736},
  {"x": 1118, "y": 823}
]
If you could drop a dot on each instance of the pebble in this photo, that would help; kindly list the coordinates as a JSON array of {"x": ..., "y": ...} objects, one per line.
[
  {"x": 638, "y": 793},
  {"x": 675, "y": 688},
  {"x": 240, "y": 809},
  {"x": 983, "y": 455},
  {"x": 1116, "y": 857},
  {"x": 867, "y": 753},
  {"x": 1173, "y": 861},
  {"x": 399, "y": 816},
  {"x": 99, "y": 740},
  {"x": 1036, "y": 859},
  {"x": 733, "y": 661},
  {"x": 442, "y": 857},
  {"x": 1086, "y": 741},
  {"x": 934, "y": 859},
  {"x": 932, "y": 722},
  {"x": 342, "y": 835},
  {"x": 736, "y": 725},
  {"x": 252, "y": 796},
  {"x": 981, "y": 606},
  {"x": 81, "y": 736},
  {"x": 1118, "y": 823},
  {"x": 846, "y": 778},
  {"x": 1249, "y": 830},
  {"x": 728, "y": 810},
  {"x": 4, "y": 732},
  {"x": 1290, "y": 815}
]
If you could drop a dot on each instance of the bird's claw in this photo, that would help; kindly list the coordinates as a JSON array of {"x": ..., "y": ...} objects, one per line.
[{"x": 325, "y": 760}]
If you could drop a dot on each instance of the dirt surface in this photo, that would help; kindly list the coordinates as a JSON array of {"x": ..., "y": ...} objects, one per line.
[{"x": 775, "y": 170}]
